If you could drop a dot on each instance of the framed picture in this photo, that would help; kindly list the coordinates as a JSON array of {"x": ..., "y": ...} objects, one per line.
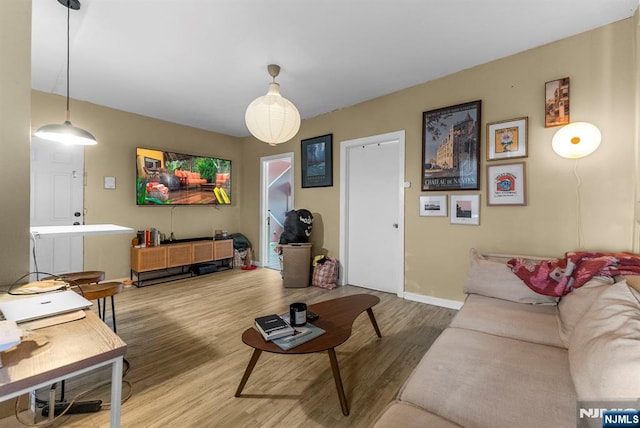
[
  {"x": 433, "y": 206},
  {"x": 451, "y": 148},
  {"x": 465, "y": 209},
  {"x": 506, "y": 184},
  {"x": 317, "y": 161},
  {"x": 556, "y": 102},
  {"x": 507, "y": 139}
]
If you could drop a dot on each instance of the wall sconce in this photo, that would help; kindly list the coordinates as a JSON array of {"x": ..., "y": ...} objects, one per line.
[
  {"x": 272, "y": 118},
  {"x": 576, "y": 140}
]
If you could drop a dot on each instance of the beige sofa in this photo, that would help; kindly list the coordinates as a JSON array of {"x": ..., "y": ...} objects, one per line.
[{"x": 514, "y": 358}]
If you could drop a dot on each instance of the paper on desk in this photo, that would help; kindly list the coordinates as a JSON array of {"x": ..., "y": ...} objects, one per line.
[{"x": 10, "y": 334}]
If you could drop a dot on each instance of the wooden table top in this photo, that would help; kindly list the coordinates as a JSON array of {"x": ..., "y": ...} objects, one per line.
[
  {"x": 71, "y": 346},
  {"x": 336, "y": 318}
]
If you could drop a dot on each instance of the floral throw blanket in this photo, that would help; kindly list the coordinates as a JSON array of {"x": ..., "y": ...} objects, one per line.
[{"x": 558, "y": 277}]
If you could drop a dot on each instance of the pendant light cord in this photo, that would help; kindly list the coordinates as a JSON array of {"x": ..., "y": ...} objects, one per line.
[{"x": 68, "y": 19}]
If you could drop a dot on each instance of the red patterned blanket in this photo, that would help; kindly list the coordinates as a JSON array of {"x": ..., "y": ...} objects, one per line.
[{"x": 558, "y": 277}]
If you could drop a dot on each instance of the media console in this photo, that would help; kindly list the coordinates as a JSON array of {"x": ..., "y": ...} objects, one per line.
[{"x": 181, "y": 257}]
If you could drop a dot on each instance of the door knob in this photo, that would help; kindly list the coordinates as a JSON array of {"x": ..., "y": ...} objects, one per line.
[
  {"x": 395, "y": 225},
  {"x": 77, "y": 214},
  {"x": 76, "y": 223}
]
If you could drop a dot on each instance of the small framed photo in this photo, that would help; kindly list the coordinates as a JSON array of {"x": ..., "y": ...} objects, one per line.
[
  {"x": 433, "y": 206},
  {"x": 556, "y": 103},
  {"x": 506, "y": 184},
  {"x": 317, "y": 161},
  {"x": 465, "y": 209},
  {"x": 507, "y": 139}
]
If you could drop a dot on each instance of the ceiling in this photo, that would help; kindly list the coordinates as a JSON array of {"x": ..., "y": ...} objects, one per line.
[{"x": 201, "y": 62}]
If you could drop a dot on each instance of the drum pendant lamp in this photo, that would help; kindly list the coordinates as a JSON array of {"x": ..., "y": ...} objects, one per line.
[
  {"x": 65, "y": 132},
  {"x": 272, "y": 118}
]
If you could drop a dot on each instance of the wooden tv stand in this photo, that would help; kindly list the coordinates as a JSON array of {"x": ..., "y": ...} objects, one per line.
[{"x": 179, "y": 255}]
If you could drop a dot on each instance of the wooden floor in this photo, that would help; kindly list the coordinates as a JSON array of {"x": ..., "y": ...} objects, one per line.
[{"x": 187, "y": 358}]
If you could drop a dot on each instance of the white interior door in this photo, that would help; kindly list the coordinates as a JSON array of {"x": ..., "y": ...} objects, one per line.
[
  {"x": 276, "y": 200},
  {"x": 372, "y": 205},
  {"x": 57, "y": 175}
]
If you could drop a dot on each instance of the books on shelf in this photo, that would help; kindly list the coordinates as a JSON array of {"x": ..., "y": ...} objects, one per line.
[
  {"x": 273, "y": 326},
  {"x": 148, "y": 238}
]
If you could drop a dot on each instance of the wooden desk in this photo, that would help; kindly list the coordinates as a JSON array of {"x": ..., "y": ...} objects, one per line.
[{"x": 74, "y": 348}]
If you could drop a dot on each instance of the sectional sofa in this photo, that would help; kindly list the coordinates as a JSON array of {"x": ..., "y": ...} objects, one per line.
[{"x": 515, "y": 358}]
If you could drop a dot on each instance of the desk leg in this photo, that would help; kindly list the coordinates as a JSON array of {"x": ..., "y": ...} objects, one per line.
[
  {"x": 336, "y": 376},
  {"x": 247, "y": 372},
  {"x": 373, "y": 321},
  {"x": 116, "y": 392}
]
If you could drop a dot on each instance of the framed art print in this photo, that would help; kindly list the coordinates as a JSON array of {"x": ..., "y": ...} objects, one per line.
[
  {"x": 433, "y": 206},
  {"x": 465, "y": 209},
  {"x": 317, "y": 161},
  {"x": 451, "y": 148},
  {"x": 507, "y": 139},
  {"x": 506, "y": 184},
  {"x": 556, "y": 103}
]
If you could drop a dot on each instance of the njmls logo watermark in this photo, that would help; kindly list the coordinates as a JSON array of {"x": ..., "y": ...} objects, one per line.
[{"x": 609, "y": 414}]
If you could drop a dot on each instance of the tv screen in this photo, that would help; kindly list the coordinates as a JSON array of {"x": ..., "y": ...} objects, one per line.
[{"x": 171, "y": 178}]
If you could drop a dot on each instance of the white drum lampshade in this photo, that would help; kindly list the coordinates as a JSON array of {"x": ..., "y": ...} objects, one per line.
[
  {"x": 576, "y": 140},
  {"x": 272, "y": 118}
]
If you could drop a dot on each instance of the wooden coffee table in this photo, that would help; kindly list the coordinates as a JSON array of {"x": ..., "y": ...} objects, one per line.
[{"x": 336, "y": 319}]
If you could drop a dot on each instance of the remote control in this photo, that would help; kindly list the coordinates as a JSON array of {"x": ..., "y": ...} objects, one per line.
[{"x": 312, "y": 316}]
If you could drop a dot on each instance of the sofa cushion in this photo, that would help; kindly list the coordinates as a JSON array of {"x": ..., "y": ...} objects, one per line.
[
  {"x": 532, "y": 323},
  {"x": 604, "y": 349},
  {"x": 495, "y": 279},
  {"x": 400, "y": 414},
  {"x": 477, "y": 379},
  {"x": 574, "y": 305}
]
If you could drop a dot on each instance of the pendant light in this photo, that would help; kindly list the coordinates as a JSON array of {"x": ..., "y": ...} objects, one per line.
[
  {"x": 576, "y": 140},
  {"x": 65, "y": 132},
  {"x": 272, "y": 118}
]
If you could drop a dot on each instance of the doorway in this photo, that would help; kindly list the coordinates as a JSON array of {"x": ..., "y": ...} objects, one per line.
[
  {"x": 57, "y": 199},
  {"x": 372, "y": 212},
  {"x": 276, "y": 190}
]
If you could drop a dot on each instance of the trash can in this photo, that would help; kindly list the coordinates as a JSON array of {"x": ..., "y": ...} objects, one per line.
[{"x": 296, "y": 265}]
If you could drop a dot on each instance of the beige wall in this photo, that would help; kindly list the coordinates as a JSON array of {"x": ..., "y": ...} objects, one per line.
[
  {"x": 118, "y": 135},
  {"x": 15, "y": 87},
  {"x": 601, "y": 66},
  {"x": 600, "y": 63}
]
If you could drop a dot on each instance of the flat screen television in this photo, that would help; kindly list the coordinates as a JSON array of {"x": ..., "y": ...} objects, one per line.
[{"x": 171, "y": 178}]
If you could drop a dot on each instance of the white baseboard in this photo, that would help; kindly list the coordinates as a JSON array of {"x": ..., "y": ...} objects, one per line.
[{"x": 437, "y": 301}]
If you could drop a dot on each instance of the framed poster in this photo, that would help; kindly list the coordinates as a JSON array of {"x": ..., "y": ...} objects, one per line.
[
  {"x": 317, "y": 161},
  {"x": 465, "y": 209},
  {"x": 556, "y": 101},
  {"x": 433, "y": 206},
  {"x": 506, "y": 184},
  {"x": 507, "y": 139},
  {"x": 451, "y": 148}
]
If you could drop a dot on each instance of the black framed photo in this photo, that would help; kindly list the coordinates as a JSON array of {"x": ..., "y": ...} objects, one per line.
[
  {"x": 451, "y": 147},
  {"x": 317, "y": 161}
]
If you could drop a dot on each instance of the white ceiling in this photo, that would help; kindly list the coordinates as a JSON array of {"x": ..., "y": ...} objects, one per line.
[{"x": 201, "y": 62}]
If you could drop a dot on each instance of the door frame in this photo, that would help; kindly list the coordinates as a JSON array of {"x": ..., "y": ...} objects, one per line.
[
  {"x": 264, "y": 188},
  {"x": 345, "y": 146}
]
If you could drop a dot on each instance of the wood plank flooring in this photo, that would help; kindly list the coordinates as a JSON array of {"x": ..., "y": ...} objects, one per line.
[{"x": 187, "y": 357}]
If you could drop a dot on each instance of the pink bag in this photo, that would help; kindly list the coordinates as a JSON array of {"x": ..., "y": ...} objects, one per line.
[{"x": 325, "y": 273}]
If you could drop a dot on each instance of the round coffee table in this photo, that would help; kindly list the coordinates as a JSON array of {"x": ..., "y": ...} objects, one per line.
[{"x": 336, "y": 319}]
